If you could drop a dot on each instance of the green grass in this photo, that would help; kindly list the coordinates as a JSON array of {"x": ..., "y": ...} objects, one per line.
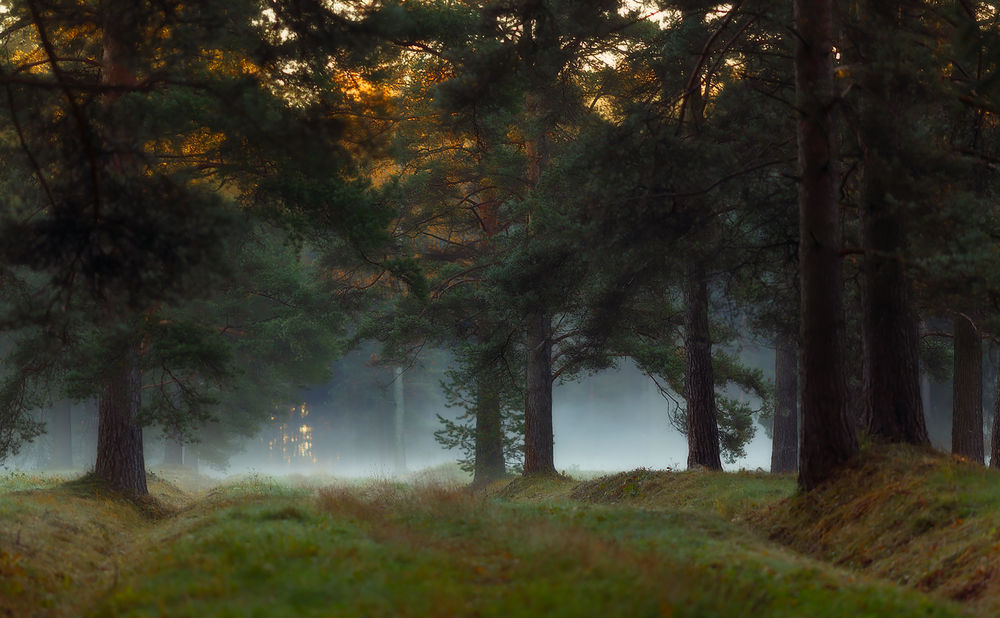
[
  {"x": 394, "y": 550},
  {"x": 641, "y": 543}
]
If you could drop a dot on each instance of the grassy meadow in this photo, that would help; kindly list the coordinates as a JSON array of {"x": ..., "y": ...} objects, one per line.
[{"x": 904, "y": 533}]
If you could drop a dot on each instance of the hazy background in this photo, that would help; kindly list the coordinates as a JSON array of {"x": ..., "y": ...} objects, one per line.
[{"x": 614, "y": 420}]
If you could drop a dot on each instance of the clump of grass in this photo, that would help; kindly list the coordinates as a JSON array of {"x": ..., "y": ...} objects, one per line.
[
  {"x": 912, "y": 515},
  {"x": 729, "y": 495},
  {"x": 185, "y": 479},
  {"x": 542, "y": 487},
  {"x": 254, "y": 485},
  {"x": 16, "y": 480}
]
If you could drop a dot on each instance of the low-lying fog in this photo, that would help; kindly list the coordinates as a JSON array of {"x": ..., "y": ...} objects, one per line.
[{"x": 615, "y": 420}]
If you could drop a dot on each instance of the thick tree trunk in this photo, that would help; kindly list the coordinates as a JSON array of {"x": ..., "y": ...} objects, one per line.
[
  {"x": 538, "y": 438},
  {"x": 890, "y": 334},
  {"x": 967, "y": 413},
  {"x": 173, "y": 451},
  {"x": 119, "y": 435},
  {"x": 699, "y": 377},
  {"x": 61, "y": 430},
  {"x": 490, "y": 465},
  {"x": 828, "y": 438},
  {"x": 785, "y": 444}
]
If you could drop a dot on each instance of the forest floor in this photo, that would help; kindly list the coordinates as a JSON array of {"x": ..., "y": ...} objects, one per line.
[{"x": 904, "y": 532}]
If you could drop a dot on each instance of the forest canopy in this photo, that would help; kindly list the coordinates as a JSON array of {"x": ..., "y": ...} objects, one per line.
[{"x": 205, "y": 208}]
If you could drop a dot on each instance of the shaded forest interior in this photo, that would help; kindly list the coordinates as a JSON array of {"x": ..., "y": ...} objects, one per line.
[{"x": 509, "y": 239}]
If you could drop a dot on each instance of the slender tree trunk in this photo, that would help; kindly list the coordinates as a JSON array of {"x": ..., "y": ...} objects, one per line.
[
  {"x": 173, "y": 451},
  {"x": 538, "y": 438},
  {"x": 399, "y": 451},
  {"x": 785, "y": 445},
  {"x": 61, "y": 430},
  {"x": 925, "y": 394},
  {"x": 119, "y": 435},
  {"x": 967, "y": 413},
  {"x": 828, "y": 438},
  {"x": 995, "y": 441},
  {"x": 490, "y": 465},
  {"x": 699, "y": 377}
]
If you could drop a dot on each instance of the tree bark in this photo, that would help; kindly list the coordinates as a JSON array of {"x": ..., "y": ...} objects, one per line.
[
  {"x": 699, "y": 377},
  {"x": 61, "y": 430},
  {"x": 785, "y": 443},
  {"x": 399, "y": 444},
  {"x": 995, "y": 441},
  {"x": 890, "y": 327},
  {"x": 538, "y": 438},
  {"x": 119, "y": 435},
  {"x": 967, "y": 412},
  {"x": 490, "y": 465},
  {"x": 828, "y": 438}
]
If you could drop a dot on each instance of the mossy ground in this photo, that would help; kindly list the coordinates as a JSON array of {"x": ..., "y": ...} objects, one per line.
[{"x": 642, "y": 543}]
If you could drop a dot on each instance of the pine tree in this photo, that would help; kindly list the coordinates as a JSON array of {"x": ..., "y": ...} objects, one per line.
[
  {"x": 828, "y": 438},
  {"x": 138, "y": 111}
]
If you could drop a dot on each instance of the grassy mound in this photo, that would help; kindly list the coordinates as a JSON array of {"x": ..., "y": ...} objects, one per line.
[
  {"x": 920, "y": 518},
  {"x": 730, "y": 495},
  {"x": 64, "y": 540},
  {"x": 635, "y": 543},
  {"x": 390, "y": 549}
]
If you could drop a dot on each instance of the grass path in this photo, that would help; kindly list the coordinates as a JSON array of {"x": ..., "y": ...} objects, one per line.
[{"x": 669, "y": 547}]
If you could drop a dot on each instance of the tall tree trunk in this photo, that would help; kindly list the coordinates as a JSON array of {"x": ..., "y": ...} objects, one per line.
[
  {"x": 119, "y": 435},
  {"x": 925, "y": 394},
  {"x": 173, "y": 451},
  {"x": 490, "y": 465},
  {"x": 399, "y": 448},
  {"x": 61, "y": 430},
  {"x": 995, "y": 441},
  {"x": 538, "y": 438},
  {"x": 785, "y": 444},
  {"x": 890, "y": 334},
  {"x": 828, "y": 438},
  {"x": 967, "y": 413},
  {"x": 699, "y": 377}
]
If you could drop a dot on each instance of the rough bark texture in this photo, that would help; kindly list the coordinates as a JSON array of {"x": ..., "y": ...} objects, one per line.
[
  {"x": 120, "y": 458},
  {"x": 785, "y": 444},
  {"x": 828, "y": 438},
  {"x": 890, "y": 334},
  {"x": 119, "y": 436},
  {"x": 490, "y": 465},
  {"x": 699, "y": 377},
  {"x": 995, "y": 442},
  {"x": 967, "y": 412},
  {"x": 538, "y": 438},
  {"x": 61, "y": 429}
]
